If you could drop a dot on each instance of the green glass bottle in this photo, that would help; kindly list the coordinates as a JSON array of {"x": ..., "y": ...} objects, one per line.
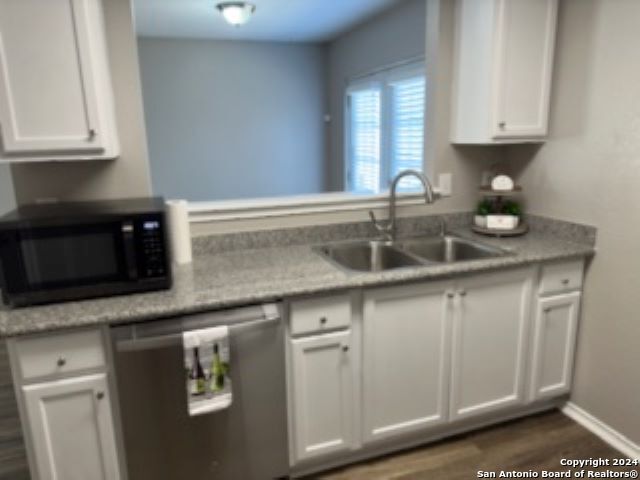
[
  {"x": 217, "y": 370},
  {"x": 197, "y": 379}
]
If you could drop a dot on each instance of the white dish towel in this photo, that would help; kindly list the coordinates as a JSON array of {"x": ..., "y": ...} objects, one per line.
[{"x": 207, "y": 365}]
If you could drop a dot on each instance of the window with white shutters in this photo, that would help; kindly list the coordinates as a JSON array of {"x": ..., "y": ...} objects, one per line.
[
  {"x": 407, "y": 129},
  {"x": 364, "y": 144},
  {"x": 385, "y": 129}
]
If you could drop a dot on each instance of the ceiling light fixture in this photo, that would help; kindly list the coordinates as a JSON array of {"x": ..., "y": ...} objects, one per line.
[{"x": 236, "y": 13}]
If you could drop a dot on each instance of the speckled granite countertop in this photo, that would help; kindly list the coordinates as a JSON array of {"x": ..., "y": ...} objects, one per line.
[{"x": 232, "y": 277}]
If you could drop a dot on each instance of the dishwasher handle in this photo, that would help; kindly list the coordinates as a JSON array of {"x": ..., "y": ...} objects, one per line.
[{"x": 131, "y": 341}]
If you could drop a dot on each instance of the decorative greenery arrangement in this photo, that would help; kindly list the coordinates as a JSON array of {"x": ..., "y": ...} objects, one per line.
[
  {"x": 497, "y": 207},
  {"x": 485, "y": 207},
  {"x": 511, "y": 208}
]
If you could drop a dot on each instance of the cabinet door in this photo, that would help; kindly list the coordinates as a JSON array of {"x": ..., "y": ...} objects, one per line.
[
  {"x": 524, "y": 43},
  {"x": 553, "y": 345},
  {"x": 322, "y": 391},
  {"x": 489, "y": 346},
  {"x": 48, "y": 99},
  {"x": 71, "y": 429},
  {"x": 406, "y": 334}
]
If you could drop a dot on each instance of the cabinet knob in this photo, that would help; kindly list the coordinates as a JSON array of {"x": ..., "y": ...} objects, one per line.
[
  {"x": 323, "y": 320},
  {"x": 91, "y": 134},
  {"x": 100, "y": 395},
  {"x": 501, "y": 125},
  {"x": 547, "y": 310},
  {"x": 450, "y": 294},
  {"x": 565, "y": 281},
  {"x": 345, "y": 348},
  {"x": 61, "y": 362},
  {"x": 462, "y": 293}
]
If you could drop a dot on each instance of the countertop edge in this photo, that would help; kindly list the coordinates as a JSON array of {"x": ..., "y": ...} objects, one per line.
[{"x": 351, "y": 281}]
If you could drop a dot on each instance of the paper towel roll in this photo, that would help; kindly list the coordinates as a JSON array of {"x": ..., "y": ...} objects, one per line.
[{"x": 179, "y": 231}]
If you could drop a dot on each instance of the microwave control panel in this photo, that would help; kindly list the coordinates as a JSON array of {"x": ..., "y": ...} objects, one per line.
[{"x": 153, "y": 261}]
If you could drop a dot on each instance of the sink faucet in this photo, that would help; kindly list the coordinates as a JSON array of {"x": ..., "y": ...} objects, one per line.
[{"x": 389, "y": 228}]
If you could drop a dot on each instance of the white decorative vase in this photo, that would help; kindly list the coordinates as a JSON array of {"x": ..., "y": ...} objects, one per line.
[
  {"x": 502, "y": 222},
  {"x": 480, "y": 221}
]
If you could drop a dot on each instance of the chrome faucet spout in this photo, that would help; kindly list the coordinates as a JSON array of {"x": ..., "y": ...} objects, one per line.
[{"x": 389, "y": 230}]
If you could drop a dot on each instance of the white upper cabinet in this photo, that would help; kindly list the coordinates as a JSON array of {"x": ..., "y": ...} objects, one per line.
[
  {"x": 502, "y": 70},
  {"x": 56, "y": 99},
  {"x": 406, "y": 338},
  {"x": 490, "y": 339}
]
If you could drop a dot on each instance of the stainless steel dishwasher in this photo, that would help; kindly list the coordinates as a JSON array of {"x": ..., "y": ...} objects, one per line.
[{"x": 246, "y": 441}]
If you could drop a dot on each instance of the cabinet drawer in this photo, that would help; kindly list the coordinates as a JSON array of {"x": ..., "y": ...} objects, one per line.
[
  {"x": 561, "y": 277},
  {"x": 44, "y": 356},
  {"x": 320, "y": 314}
]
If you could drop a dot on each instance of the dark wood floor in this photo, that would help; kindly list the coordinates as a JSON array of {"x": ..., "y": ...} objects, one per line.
[{"x": 537, "y": 443}]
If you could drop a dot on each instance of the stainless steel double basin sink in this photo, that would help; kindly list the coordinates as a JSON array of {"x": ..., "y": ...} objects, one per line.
[{"x": 379, "y": 255}]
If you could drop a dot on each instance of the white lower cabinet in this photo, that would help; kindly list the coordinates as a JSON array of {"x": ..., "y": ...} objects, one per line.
[
  {"x": 71, "y": 429},
  {"x": 322, "y": 389},
  {"x": 62, "y": 386},
  {"x": 406, "y": 338},
  {"x": 554, "y": 338},
  {"x": 405, "y": 362},
  {"x": 490, "y": 332}
]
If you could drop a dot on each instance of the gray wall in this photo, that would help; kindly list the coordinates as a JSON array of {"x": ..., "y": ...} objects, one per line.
[
  {"x": 7, "y": 196},
  {"x": 589, "y": 171},
  {"x": 229, "y": 119},
  {"x": 128, "y": 176},
  {"x": 392, "y": 36}
]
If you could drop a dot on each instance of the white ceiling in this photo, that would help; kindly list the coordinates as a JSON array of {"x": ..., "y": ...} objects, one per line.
[{"x": 274, "y": 20}]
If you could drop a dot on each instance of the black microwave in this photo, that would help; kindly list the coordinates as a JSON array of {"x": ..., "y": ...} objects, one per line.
[{"x": 70, "y": 251}]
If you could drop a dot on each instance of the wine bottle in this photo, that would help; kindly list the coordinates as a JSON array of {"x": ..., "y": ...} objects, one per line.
[
  {"x": 197, "y": 379},
  {"x": 217, "y": 370}
]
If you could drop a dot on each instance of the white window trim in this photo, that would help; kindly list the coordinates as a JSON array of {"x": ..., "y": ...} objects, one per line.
[{"x": 273, "y": 207}]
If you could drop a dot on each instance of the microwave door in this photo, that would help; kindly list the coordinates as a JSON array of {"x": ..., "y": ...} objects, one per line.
[{"x": 75, "y": 256}]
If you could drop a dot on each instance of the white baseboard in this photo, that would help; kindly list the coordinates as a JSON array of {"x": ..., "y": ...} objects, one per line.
[{"x": 596, "y": 426}]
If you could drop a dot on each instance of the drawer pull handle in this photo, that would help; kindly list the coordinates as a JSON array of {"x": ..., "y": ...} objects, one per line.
[
  {"x": 450, "y": 294},
  {"x": 91, "y": 134},
  {"x": 565, "y": 281},
  {"x": 463, "y": 293},
  {"x": 502, "y": 125},
  {"x": 100, "y": 395},
  {"x": 323, "y": 320},
  {"x": 62, "y": 362},
  {"x": 345, "y": 348},
  {"x": 547, "y": 310}
]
